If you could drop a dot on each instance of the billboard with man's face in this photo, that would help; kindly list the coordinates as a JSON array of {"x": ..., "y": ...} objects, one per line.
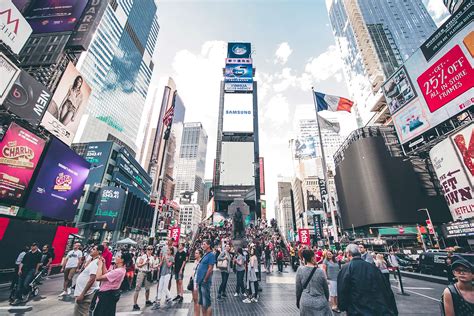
[{"x": 68, "y": 104}]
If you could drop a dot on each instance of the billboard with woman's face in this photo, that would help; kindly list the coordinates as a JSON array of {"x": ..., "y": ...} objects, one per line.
[{"x": 68, "y": 104}]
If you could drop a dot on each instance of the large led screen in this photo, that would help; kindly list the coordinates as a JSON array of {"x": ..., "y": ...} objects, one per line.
[
  {"x": 108, "y": 207},
  {"x": 97, "y": 154},
  {"x": 20, "y": 151},
  {"x": 59, "y": 183},
  {"x": 238, "y": 113},
  {"x": 237, "y": 163},
  {"x": 51, "y": 16},
  {"x": 437, "y": 81},
  {"x": 68, "y": 104}
]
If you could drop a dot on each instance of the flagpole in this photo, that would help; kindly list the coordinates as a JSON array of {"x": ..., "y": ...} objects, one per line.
[{"x": 325, "y": 171}]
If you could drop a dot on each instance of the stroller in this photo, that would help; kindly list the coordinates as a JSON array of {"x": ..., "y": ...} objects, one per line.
[{"x": 33, "y": 287}]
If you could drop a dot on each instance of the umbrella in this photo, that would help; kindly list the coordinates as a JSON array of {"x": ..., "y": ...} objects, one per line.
[{"x": 126, "y": 241}]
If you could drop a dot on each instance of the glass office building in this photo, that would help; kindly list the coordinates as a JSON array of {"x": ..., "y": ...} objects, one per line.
[
  {"x": 374, "y": 38},
  {"x": 119, "y": 67}
]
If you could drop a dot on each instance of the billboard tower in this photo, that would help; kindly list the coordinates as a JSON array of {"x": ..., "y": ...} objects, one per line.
[{"x": 237, "y": 170}]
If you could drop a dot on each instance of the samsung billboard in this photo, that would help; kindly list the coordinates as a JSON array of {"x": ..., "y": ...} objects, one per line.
[
  {"x": 437, "y": 81},
  {"x": 238, "y": 113}
]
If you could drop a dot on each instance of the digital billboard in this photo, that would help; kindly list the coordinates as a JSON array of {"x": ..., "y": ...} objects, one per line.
[
  {"x": 97, "y": 154},
  {"x": 238, "y": 73},
  {"x": 453, "y": 163},
  {"x": 8, "y": 72},
  {"x": 239, "y": 50},
  {"x": 52, "y": 16},
  {"x": 437, "y": 81},
  {"x": 238, "y": 113},
  {"x": 304, "y": 148},
  {"x": 59, "y": 183},
  {"x": 108, "y": 207},
  {"x": 262, "y": 175},
  {"x": 68, "y": 104},
  {"x": 28, "y": 99},
  {"x": 14, "y": 30},
  {"x": 20, "y": 151},
  {"x": 237, "y": 163}
]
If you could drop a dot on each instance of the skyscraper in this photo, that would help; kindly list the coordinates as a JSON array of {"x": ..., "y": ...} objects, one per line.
[
  {"x": 190, "y": 168},
  {"x": 118, "y": 65},
  {"x": 374, "y": 37}
]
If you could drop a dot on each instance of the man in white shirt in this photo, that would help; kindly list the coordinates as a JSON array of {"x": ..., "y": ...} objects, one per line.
[
  {"x": 86, "y": 283},
  {"x": 145, "y": 264},
  {"x": 70, "y": 265}
]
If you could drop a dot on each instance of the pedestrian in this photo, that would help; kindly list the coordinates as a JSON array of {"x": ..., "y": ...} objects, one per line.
[
  {"x": 381, "y": 264},
  {"x": 204, "y": 278},
  {"x": 280, "y": 259},
  {"x": 197, "y": 258},
  {"x": 332, "y": 268},
  {"x": 393, "y": 261},
  {"x": 86, "y": 283},
  {"x": 365, "y": 255},
  {"x": 252, "y": 278},
  {"x": 268, "y": 259},
  {"x": 362, "y": 289},
  {"x": 312, "y": 290},
  {"x": 239, "y": 262},
  {"x": 46, "y": 259},
  {"x": 448, "y": 261},
  {"x": 27, "y": 270},
  {"x": 107, "y": 255},
  {"x": 458, "y": 298},
  {"x": 110, "y": 282},
  {"x": 166, "y": 267},
  {"x": 70, "y": 265},
  {"x": 145, "y": 265},
  {"x": 18, "y": 261},
  {"x": 179, "y": 264},
  {"x": 223, "y": 264}
]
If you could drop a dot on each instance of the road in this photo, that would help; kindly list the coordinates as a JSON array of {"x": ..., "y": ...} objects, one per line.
[{"x": 277, "y": 298}]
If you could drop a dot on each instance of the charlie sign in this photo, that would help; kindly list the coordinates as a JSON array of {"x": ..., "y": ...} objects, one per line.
[{"x": 454, "y": 166}]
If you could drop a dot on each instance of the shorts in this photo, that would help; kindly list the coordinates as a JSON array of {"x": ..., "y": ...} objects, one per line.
[
  {"x": 179, "y": 276},
  {"x": 332, "y": 288},
  {"x": 69, "y": 274},
  {"x": 204, "y": 292},
  {"x": 141, "y": 277}
]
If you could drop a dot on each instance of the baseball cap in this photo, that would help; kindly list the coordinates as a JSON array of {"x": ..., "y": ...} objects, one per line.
[{"x": 461, "y": 262}]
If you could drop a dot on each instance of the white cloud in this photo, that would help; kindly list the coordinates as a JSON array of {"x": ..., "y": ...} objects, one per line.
[
  {"x": 325, "y": 66},
  {"x": 276, "y": 111},
  {"x": 282, "y": 53},
  {"x": 437, "y": 9}
]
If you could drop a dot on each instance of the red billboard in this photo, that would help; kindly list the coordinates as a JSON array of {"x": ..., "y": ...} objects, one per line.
[
  {"x": 175, "y": 233},
  {"x": 303, "y": 236},
  {"x": 262, "y": 175},
  {"x": 20, "y": 151}
]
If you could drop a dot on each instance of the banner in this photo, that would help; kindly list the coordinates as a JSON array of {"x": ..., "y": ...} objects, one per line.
[
  {"x": 459, "y": 229},
  {"x": 59, "y": 183},
  {"x": 174, "y": 232},
  {"x": 108, "y": 207},
  {"x": 322, "y": 187},
  {"x": 262, "y": 175},
  {"x": 303, "y": 236},
  {"x": 20, "y": 151},
  {"x": 28, "y": 99},
  {"x": 436, "y": 82},
  {"x": 69, "y": 101},
  {"x": 453, "y": 164},
  {"x": 318, "y": 228},
  {"x": 8, "y": 72},
  {"x": 14, "y": 30}
]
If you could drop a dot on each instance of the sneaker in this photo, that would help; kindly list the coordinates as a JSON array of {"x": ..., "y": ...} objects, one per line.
[
  {"x": 247, "y": 301},
  {"x": 156, "y": 306},
  {"x": 15, "y": 302},
  {"x": 176, "y": 298},
  {"x": 62, "y": 293},
  {"x": 236, "y": 294},
  {"x": 181, "y": 299},
  {"x": 69, "y": 291},
  {"x": 254, "y": 300},
  {"x": 148, "y": 303},
  {"x": 136, "y": 307},
  {"x": 169, "y": 301}
]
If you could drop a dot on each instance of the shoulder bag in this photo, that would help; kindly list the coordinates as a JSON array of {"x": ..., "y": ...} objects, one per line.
[{"x": 305, "y": 286}]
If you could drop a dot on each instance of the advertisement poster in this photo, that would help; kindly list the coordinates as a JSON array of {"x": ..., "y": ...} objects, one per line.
[
  {"x": 68, "y": 104},
  {"x": 51, "y": 16},
  {"x": 261, "y": 166},
  {"x": 459, "y": 229},
  {"x": 97, "y": 154},
  {"x": 175, "y": 232},
  {"x": 238, "y": 73},
  {"x": 305, "y": 148},
  {"x": 109, "y": 206},
  {"x": 239, "y": 50},
  {"x": 303, "y": 236},
  {"x": 238, "y": 113},
  {"x": 20, "y": 151},
  {"x": 454, "y": 172},
  {"x": 318, "y": 228},
  {"x": 442, "y": 76},
  {"x": 8, "y": 72},
  {"x": 28, "y": 99},
  {"x": 59, "y": 184},
  {"x": 14, "y": 29}
]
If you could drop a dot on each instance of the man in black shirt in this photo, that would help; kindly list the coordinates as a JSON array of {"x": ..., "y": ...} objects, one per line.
[
  {"x": 28, "y": 268},
  {"x": 179, "y": 264}
]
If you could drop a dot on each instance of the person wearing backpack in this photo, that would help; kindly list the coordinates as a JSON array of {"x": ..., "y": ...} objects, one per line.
[
  {"x": 458, "y": 298},
  {"x": 223, "y": 264},
  {"x": 312, "y": 291}
]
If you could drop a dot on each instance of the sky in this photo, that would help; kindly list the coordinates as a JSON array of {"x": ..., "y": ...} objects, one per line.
[{"x": 293, "y": 50}]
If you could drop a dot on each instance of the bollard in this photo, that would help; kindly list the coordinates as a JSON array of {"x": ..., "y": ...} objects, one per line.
[{"x": 402, "y": 292}]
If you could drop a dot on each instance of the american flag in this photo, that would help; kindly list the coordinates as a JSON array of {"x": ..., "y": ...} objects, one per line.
[{"x": 168, "y": 118}]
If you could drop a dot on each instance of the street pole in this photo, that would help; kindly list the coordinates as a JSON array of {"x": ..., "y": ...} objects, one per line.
[
  {"x": 333, "y": 217},
  {"x": 435, "y": 235}
]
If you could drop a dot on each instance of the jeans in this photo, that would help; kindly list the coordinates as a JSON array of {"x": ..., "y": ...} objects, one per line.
[
  {"x": 223, "y": 286},
  {"x": 204, "y": 292},
  {"x": 240, "y": 289},
  {"x": 280, "y": 265},
  {"x": 24, "y": 283},
  {"x": 267, "y": 264}
]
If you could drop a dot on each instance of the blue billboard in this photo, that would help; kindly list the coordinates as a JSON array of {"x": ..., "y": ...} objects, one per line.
[
  {"x": 239, "y": 50},
  {"x": 109, "y": 207},
  {"x": 238, "y": 73},
  {"x": 97, "y": 154}
]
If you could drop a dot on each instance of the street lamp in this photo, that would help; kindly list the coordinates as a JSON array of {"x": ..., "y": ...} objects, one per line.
[
  {"x": 431, "y": 222},
  {"x": 86, "y": 224}
]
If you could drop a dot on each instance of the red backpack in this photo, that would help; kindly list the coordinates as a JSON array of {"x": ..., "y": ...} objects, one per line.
[{"x": 280, "y": 255}]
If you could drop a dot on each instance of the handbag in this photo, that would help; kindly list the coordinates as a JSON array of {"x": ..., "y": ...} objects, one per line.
[
  {"x": 304, "y": 287},
  {"x": 190, "y": 284},
  {"x": 223, "y": 264}
]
